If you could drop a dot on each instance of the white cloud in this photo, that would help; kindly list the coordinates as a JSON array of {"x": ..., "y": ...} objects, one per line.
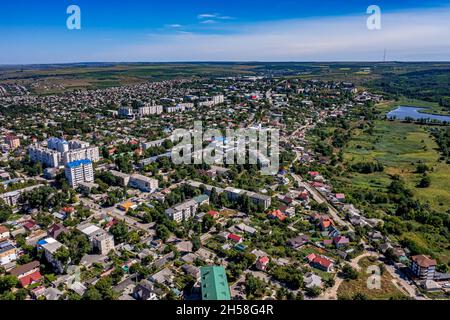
[
  {"x": 414, "y": 35},
  {"x": 208, "y": 21}
]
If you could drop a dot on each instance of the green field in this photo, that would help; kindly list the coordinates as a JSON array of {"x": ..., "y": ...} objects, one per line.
[{"x": 400, "y": 147}]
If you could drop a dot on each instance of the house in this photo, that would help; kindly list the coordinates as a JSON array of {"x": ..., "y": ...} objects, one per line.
[
  {"x": 56, "y": 229},
  {"x": 192, "y": 271},
  {"x": 145, "y": 290},
  {"x": 235, "y": 238},
  {"x": 184, "y": 246},
  {"x": 262, "y": 262},
  {"x": 245, "y": 228},
  {"x": 165, "y": 276},
  {"x": 320, "y": 262},
  {"x": 213, "y": 214},
  {"x": 214, "y": 283},
  {"x": 423, "y": 267},
  {"x": 340, "y": 241},
  {"x": 303, "y": 196},
  {"x": 30, "y": 225},
  {"x": 27, "y": 274},
  {"x": 340, "y": 197},
  {"x": 325, "y": 223},
  {"x": 127, "y": 205},
  {"x": 277, "y": 214},
  {"x": 8, "y": 253},
  {"x": 312, "y": 280},
  {"x": 4, "y": 233},
  {"x": 298, "y": 241}
]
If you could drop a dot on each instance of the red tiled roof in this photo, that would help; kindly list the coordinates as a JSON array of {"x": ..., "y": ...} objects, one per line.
[
  {"x": 31, "y": 278},
  {"x": 340, "y": 240},
  {"x": 234, "y": 237},
  {"x": 323, "y": 262},
  {"x": 264, "y": 260},
  {"x": 424, "y": 261},
  {"x": 213, "y": 213},
  {"x": 277, "y": 214}
]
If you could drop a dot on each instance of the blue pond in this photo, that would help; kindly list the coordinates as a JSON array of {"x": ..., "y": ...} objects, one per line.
[{"x": 403, "y": 112}]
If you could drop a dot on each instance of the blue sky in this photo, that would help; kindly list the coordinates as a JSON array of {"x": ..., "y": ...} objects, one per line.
[{"x": 200, "y": 30}]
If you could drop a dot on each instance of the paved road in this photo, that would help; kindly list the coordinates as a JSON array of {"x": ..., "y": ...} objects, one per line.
[{"x": 321, "y": 199}]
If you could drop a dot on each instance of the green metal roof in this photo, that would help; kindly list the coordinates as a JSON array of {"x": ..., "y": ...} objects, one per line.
[{"x": 214, "y": 283}]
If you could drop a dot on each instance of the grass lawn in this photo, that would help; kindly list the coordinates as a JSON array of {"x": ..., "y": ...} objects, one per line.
[
  {"x": 387, "y": 289},
  {"x": 400, "y": 147}
]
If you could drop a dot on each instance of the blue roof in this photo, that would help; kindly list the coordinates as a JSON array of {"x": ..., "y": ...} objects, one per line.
[{"x": 78, "y": 163}]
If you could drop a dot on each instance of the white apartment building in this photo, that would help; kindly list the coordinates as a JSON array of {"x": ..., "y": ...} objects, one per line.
[
  {"x": 148, "y": 110},
  {"x": 100, "y": 240},
  {"x": 218, "y": 99},
  {"x": 78, "y": 144},
  {"x": 182, "y": 211},
  {"x": 48, "y": 157},
  {"x": 57, "y": 144},
  {"x": 90, "y": 153},
  {"x": 79, "y": 171},
  {"x": 143, "y": 183}
]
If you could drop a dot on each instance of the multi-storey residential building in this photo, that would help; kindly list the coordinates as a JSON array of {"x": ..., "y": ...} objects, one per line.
[
  {"x": 143, "y": 183},
  {"x": 11, "y": 198},
  {"x": 79, "y": 171},
  {"x": 100, "y": 240},
  {"x": 50, "y": 247},
  {"x": 4, "y": 233},
  {"x": 12, "y": 141},
  {"x": 423, "y": 267},
  {"x": 57, "y": 144},
  {"x": 90, "y": 153},
  {"x": 77, "y": 144},
  {"x": 123, "y": 178},
  {"x": 218, "y": 99},
  {"x": 148, "y": 110},
  {"x": 182, "y": 211},
  {"x": 214, "y": 283},
  {"x": 126, "y": 112},
  {"x": 48, "y": 157},
  {"x": 7, "y": 253}
]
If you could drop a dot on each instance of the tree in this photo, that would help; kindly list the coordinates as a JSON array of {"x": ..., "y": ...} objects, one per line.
[
  {"x": 313, "y": 291},
  {"x": 7, "y": 283},
  {"x": 92, "y": 294},
  {"x": 62, "y": 255},
  {"x": 196, "y": 243},
  {"x": 120, "y": 232},
  {"x": 425, "y": 182},
  {"x": 348, "y": 272},
  {"x": 162, "y": 232},
  {"x": 5, "y": 211},
  {"x": 207, "y": 222}
]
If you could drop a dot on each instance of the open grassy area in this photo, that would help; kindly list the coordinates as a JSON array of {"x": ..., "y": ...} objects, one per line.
[
  {"x": 387, "y": 290},
  {"x": 400, "y": 147}
]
